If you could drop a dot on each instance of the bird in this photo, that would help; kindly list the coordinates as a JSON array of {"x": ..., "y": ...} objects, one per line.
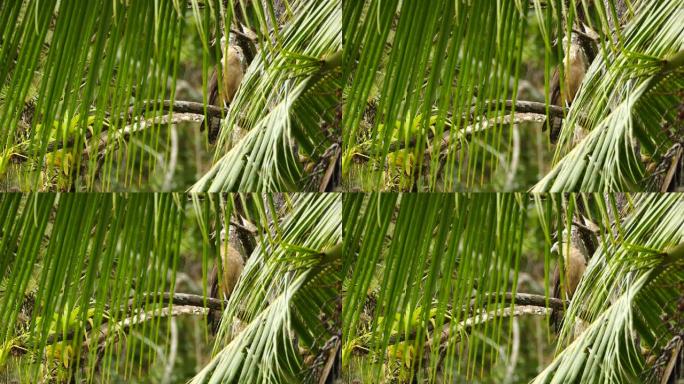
[
  {"x": 575, "y": 65},
  {"x": 231, "y": 75},
  {"x": 232, "y": 265},
  {"x": 574, "y": 264}
]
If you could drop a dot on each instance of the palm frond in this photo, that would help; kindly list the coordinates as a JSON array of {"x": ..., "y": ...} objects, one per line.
[
  {"x": 432, "y": 98},
  {"x": 281, "y": 298},
  {"x": 77, "y": 262},
  {"x": 432, "y": 261},
  {"x": 628, "y": 287},
  {"x": 627, "y": 104},
  {"x": 80, "y": 66},
  {"x": 288, "y": 97},
  {"x": 431, "y": 284},
  {"x": 88, "y": 284}
]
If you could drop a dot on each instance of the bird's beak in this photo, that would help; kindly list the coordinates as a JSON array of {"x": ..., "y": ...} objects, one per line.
[{"x": 554, "y": 248}]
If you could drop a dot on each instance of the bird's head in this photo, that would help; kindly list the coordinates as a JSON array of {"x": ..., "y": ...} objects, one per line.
[
  {"x": 222, "y": 235},
  {"x": 560, "y": 240},
  {"x": 575, "y": 52},
  {"x": 568, "y": 245},
  {"x": 231, "y": 49}
]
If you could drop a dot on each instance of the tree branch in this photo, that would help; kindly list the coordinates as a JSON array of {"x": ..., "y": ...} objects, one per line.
[
  {"x": 521, "y": 107},
  {"x": 186, "y": 299},
  {"x": 522, "y": 299},
  {"x": 127, "y": 131},
  {"x": 178, "y": 106},
  {"x": 467, "y": 325},
  {"x": 184, "y": 303},
  {"x": 526, "y": 304},
  {"x": 528, "y": 299},
  {"x": 468, "y": 131},
  {"x": 142, "y": 317}
]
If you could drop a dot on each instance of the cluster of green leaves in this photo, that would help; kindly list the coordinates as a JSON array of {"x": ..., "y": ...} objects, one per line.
[
  {"x": 425, "y": 51},
  {"x": 89, "y": 60},
  {"x": 286, "y": 301},
  {"x": 472, "y": 244},
  {"x": 629, "y": 100},
  {"x": 289, "y": 95},
  {"x": 628, "y": 295}
]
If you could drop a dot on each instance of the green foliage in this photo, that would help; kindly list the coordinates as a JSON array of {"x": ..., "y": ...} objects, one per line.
[
  {"x": 474, "y": 250},
  {"x": 114, "y": 61},
  {"x": 456, "y": 60},
  {"x": 287, "y": 287},
  {"x": 78, "y": 273},
  {"x": 305, "y": 64}
]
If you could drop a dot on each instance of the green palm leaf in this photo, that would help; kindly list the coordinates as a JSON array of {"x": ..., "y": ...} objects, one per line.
[
  {"x": 628, "y": 99},
  {"x": 284, "y": 96}
]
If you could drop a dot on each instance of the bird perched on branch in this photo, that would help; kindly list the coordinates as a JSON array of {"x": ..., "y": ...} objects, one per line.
[
  {"x": 232, "y": 73},
  {"x": 575, "y": 65},
  {"x": 222, "y": 284},
  {"x": 574, "y": 264},
  {"x": 231, "y": 76}
]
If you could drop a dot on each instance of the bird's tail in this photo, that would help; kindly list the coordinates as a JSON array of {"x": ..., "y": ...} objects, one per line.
[
  {"x": 214, "y": 316},
  {"x": 554, "y": 132},
  {"x": 214, "y": 320},
  {"x": 214, "y": 124},
  {"x": 556, "y": 320}
]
